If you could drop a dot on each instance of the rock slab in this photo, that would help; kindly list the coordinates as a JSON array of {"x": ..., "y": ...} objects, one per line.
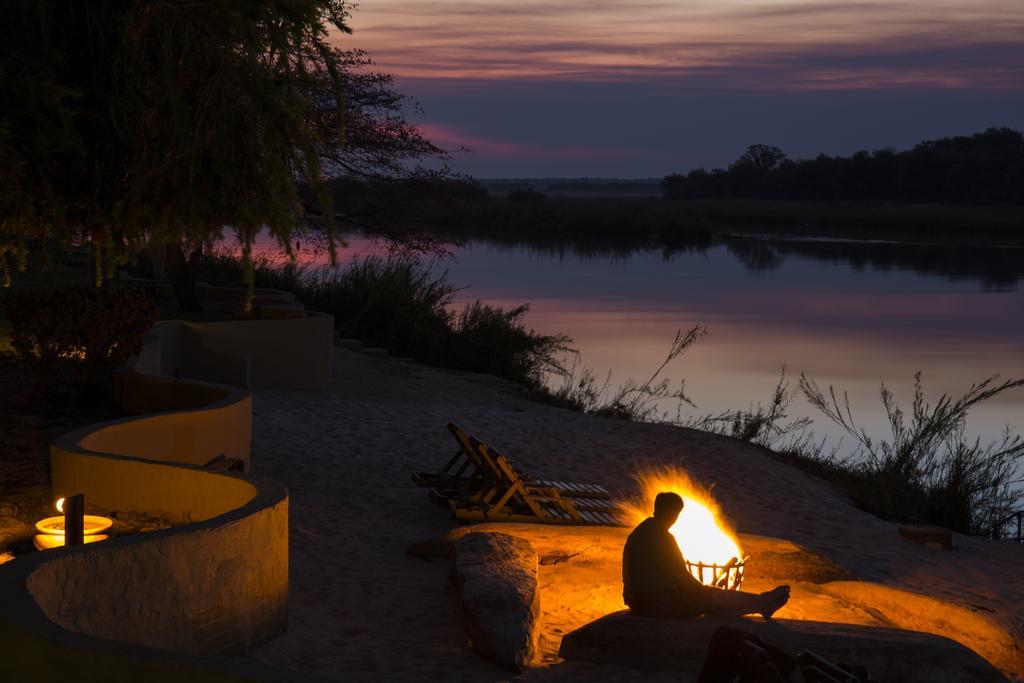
[
  {"x": 496, "y": 575},
  {"x": 680, "y": 645}
]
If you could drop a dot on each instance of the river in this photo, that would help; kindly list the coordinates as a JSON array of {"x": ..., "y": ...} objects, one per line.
[{"x": 847, "y": 314}]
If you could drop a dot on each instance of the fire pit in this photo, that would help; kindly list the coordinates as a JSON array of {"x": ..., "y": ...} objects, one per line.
[
  {"x": 727, "y": 576},
  {"x": 711, "y": 551}
]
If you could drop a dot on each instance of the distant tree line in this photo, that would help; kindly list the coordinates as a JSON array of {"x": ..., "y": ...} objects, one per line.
[{"x": 986, "y": 167}]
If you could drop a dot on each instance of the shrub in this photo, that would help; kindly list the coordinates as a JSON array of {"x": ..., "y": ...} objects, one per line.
[
  {"x": 77, "y": 336},
  {"x": 526, "y": 196},
  {"x": 767, "y": 425},
  {"x": 493, "y": 340},
  {"x": 394, "y": 303},
  {"x": 633, "y": 400}
]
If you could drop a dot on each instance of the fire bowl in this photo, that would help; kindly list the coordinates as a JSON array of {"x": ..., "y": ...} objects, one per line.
[
  {"x": 54, "y": 526},
  {"x": 48, "y": 541},
  {"x": 727, "y": 576},
  {"x": 51, "y": 531}
]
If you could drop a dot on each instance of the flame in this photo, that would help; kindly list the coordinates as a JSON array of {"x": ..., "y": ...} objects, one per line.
[
  {"x": 60, "y": 505},
  {"x": 701, "y": 532}
]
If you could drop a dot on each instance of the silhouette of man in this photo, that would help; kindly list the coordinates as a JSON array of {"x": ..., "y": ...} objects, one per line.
[{"x": 656, "y": 582}]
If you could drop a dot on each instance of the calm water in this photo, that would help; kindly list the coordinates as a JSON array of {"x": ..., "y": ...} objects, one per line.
[{"x": 847, "y": 314}]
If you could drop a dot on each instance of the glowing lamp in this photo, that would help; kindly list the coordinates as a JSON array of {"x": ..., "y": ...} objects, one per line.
[{"x": 52, "y": 530}]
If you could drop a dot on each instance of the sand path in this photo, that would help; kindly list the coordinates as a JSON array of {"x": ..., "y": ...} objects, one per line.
[{"x": 363, "y": 610}]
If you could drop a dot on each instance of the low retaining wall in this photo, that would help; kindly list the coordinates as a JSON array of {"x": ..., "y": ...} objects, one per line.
[
  {"x": 283, "y": 353},
  {"x": 177, "y": 432},
  {"x": 217, "y": 585},
  {"x": 286, "y": 350}
]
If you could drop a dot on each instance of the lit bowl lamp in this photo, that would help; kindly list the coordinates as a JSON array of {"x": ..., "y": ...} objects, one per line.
[{"x": 73, "y": 527}]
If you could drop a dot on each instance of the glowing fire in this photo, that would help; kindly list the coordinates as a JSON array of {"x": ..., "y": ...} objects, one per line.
[{"x": 701, "y": 533}]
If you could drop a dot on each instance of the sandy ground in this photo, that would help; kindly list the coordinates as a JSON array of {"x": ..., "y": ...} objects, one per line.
[{"x": 361, "y": 609}]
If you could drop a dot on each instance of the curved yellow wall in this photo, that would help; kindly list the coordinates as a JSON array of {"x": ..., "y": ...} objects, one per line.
[
  {"x": 221, "y": 425},
  {"x": 216, "y": 585}
]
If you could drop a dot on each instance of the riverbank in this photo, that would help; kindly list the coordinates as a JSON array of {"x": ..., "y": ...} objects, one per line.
[
  {"x": 361, "y": 609},
  {"x": 611, "y": 221}
]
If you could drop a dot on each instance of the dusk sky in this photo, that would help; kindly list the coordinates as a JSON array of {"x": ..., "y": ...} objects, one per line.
[{"x": 616, "y": 88}]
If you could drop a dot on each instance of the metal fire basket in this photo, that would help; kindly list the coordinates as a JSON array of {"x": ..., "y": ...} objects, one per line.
[{"x": 727, "y": 576}]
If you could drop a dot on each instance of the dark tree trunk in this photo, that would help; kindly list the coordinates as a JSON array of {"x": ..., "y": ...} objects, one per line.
[{"x": 181, "y": 272}]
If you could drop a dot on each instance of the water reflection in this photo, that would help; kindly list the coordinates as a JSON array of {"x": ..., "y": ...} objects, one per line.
[
  {"x": 874, "y": 313},
  {"x": 994, "y": 267}
]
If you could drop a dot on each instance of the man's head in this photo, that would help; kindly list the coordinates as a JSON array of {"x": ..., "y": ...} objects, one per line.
[{"x": 667, "y": 506}]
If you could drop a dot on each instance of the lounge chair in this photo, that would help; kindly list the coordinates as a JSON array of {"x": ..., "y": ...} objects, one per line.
[
  {"x": 479, "y": 483},
  {"x": 467, "y": 469}
]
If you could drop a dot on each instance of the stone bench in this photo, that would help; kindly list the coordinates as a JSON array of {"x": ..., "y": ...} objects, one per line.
[{"x": 680, "y": 645}]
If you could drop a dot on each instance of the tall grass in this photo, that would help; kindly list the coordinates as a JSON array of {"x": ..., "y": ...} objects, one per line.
[
  {"x": 927, "y": 470},
  {"x": 765, "y": 424},
  {"x": 633, "y": 400}
]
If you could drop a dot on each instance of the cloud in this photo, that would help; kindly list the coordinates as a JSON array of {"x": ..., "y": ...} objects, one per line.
[
  {"x": 461, "y": 142},
  {"x": 734, "y": 43}
]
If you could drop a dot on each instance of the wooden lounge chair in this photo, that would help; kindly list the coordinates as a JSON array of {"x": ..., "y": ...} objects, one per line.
[
  {"x": 468, "y": 468},
  {"x": 504, "y": 496}
]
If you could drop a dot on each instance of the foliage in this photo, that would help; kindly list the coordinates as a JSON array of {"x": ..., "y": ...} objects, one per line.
[
  {"x": 766, "y": 425},
  {"x": 929, "y": 470},
  {"x": 184, "y": 115},
  {"x": 986, "y": 167},
  {"x": 526, "y": 196},
  {"x": 160, "y": 122},
  {"x": 380, "y": 144},
  {"x": 77, "y": 336},
  {"x": 496, "y": 341},
  {"x": 634, "y": 401},
  {"x": 393, "y": 303}
]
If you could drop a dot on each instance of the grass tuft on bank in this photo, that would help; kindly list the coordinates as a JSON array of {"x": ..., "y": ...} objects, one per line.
[{"x": 926, "y": 471}]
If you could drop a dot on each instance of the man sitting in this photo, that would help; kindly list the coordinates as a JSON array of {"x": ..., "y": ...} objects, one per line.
[{"x": 656, "y": 582}]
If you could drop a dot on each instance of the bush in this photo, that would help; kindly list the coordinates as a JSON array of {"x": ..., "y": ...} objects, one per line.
[
  {"x": 394, "y": 303},
  {"x": 495, "y": 341},
  {"x": 768, "y": 425},
  {"x": 633, "y": 401},
  {"x": 77, "y": 336},
  {"x": 526, "y": 196}
]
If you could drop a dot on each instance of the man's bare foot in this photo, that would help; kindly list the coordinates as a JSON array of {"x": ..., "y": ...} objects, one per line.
[{"x": 774, "y": 600}]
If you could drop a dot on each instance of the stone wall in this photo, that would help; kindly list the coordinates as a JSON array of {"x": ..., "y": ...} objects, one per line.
[
  {"x": 283, "y": 353},
  {"x": 218, "y": 584},
  {"x": 214, "y": 587},
  {"x": 285, "y": 349}
]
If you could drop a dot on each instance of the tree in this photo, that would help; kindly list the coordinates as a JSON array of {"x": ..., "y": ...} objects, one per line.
[
  {"x": 987, "y": 167},
  {"x": 759, "y": 159},
  {"x": 191, "y": 116},
  {"x": 35, "y": 132}
]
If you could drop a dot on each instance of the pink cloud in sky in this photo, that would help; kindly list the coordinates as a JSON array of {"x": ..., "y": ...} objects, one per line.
[
  {"x": 744, "y": 43},
  {"x": 458, "y": 141}
]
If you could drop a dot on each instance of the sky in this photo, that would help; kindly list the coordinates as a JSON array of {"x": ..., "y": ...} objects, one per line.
[{"x": 642, "y": 88}]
